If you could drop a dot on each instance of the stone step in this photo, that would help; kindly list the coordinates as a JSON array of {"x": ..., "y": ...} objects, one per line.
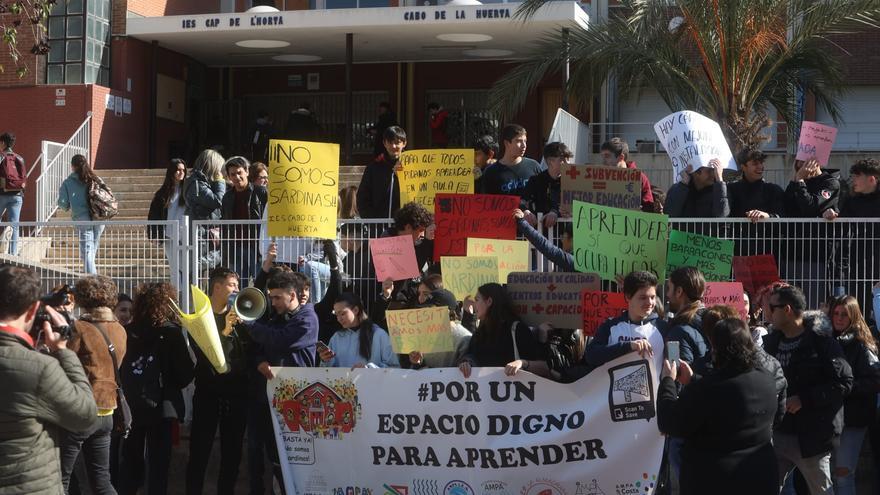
[{"x": 126, "y": 172}]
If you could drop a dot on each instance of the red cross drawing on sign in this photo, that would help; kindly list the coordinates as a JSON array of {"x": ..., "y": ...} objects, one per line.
[
  {"x": 551, "y": 287},
  {"x": 537, "y": 309},
  {"x": 573, "y": 172}
]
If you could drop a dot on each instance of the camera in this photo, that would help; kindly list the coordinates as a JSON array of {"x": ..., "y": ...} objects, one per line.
[{"x": 56, "y": 299}]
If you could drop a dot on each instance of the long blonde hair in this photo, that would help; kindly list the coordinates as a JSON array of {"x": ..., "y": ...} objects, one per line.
[
  {"x": 210, "y": 163},
  {"x": 857, "y": 325}
]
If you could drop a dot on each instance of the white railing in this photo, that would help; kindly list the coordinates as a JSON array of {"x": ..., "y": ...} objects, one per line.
[{"x": 57, "y": 168}]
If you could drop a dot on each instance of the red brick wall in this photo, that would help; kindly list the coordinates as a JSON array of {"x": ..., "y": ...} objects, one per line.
[
  {"x": 861, "y": 59},
  {"x": 34, "y": 63}
]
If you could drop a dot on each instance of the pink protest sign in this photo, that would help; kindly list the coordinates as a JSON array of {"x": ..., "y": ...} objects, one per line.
[
  {"x": 816, "y": 142},
  {"x": 394, "y": 258},
  {"x": 727, "y": 293}
]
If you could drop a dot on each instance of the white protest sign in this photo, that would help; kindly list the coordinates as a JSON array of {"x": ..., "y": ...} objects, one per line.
[
  {"x": 693, "y": 139},
  {"x": 374, "y": 431}
]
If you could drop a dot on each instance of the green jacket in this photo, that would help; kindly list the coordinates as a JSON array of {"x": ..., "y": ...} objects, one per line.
[{"x": 42, "y": 394}]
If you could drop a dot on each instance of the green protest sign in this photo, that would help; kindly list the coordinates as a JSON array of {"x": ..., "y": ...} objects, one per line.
[
  {"x": 711, "y": 255},
  {"x": 613, "y": 241}
]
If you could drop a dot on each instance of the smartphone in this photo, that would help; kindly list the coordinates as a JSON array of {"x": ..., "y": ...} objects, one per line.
[
  {"x": 672, "y": 352},
  {"x": 322, "y": 347}
]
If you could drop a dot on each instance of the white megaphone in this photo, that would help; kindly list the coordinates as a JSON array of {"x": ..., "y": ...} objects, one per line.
[{"x": 249, "y": 304}]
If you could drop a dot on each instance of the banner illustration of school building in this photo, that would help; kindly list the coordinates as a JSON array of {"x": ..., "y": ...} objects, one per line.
[{"x": 432, "y": 432}]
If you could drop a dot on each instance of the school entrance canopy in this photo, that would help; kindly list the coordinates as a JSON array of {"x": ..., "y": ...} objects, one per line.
[{"x": 389, "y": 34}]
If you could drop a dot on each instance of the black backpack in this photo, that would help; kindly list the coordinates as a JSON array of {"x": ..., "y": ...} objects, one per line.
[
  {"x": 142, "y": 375},
  {"x": 564, "y": 348}
]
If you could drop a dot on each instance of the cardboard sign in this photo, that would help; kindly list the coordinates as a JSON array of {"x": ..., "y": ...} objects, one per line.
[
  {"x": 463, "y": 275},
  {"x": 711, "y": 255},
  {"x": 755, "y": 272},
  {"x": 598, "y": 306},
  {"x": 816, "y": 142},
  {"x": 394, "y": 258},
  {"x": 693, "y": 139},
  {"x": 611, "y": 241},
  {"x": 459, "y": 216},
  {"x": 428, "y": 172},
  {"x": 606, "y": 186},
  {"x": 554, "y": 298},
  {"x": 513, "y": 256},
  {"x": 425, "y": 330},
  {"x": 728, "y": 293},
  {"x": 303, "y": 189}
]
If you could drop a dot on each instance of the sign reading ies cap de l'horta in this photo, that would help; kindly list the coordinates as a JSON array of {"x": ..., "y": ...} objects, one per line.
[
  {"x": 459, "y": 216},
  {"x": 425, "y": 173},
  {"x": 550, "y": 297},
  {"x": 607, "y": 186},
  {"x": 303, "y": 189},
  {"x": 614, "y": 242},
  {"x": 693, "y": 140},
  {"x": 375, "y": 431},
  {"x": 711, "y": 255}
]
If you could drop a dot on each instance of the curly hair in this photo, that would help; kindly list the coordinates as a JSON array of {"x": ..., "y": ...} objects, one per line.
[
  {"x": 414, "y": 215},
  {"x": 96, "y": 291},
  {"x": 152, "y": 304}
]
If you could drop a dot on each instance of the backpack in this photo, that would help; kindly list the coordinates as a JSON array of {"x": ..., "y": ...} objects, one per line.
[
  {"x": 102, "y": 203},
  {"x": 141, "y": 374},
  {"x": 11, "y": 177},
  {"x": 564, "y": 348}
]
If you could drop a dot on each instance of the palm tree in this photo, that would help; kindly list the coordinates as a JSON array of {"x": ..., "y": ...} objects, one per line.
[{"x": 729, "y": 59}]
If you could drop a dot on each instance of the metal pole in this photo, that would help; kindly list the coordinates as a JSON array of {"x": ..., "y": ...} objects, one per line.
[
  {"x": 566, "y": 69},
  {"x": 349, "y": 100},
  {"x": 151, "y": 148}
]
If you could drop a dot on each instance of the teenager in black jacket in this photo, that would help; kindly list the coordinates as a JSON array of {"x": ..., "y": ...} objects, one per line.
[{"x": 378, "y": 195}]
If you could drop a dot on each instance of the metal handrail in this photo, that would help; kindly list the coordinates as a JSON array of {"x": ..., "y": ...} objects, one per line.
[{"x": 50, "y": 178}]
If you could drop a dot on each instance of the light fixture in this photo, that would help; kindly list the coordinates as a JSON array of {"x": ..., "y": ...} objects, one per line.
[
  {"x": 464, "y": 37},
  {"x": 487, "y": 52},
  {"x": 262, "y": 43},
  {"x": 463, "y": 2},
  {"x": 262, "y": 9},
  {"x": 294, "y": 57}
]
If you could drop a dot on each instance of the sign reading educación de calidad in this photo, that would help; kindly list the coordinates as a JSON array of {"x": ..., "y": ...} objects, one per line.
[
  {"x": 432, "y": 432},
  {"x": 303, "y": 189}
]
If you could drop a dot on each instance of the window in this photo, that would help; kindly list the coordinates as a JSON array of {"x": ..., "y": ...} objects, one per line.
[{"x": 79, "y": 43}]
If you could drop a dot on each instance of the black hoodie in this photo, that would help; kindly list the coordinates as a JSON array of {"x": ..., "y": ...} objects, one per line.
[
  {"x": 862, "y": 205},
  {"x": 375, "y": 189},
  {"x": 810, "y": 198}
]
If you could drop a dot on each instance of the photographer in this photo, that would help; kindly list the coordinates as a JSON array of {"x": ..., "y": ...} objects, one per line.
[
  {"x": 96, "y": 295},
  {"x": 44, "y": 393}
]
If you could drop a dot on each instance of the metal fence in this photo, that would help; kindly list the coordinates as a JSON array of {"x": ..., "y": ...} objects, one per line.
[
  {"x": 56, "y": 168},
  {"x": 814, "y": 254}
]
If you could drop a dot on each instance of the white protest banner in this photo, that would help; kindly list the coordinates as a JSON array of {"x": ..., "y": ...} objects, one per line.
[
  {"x": 342, "y": 431},
  {"x": 693, "y": 139}
]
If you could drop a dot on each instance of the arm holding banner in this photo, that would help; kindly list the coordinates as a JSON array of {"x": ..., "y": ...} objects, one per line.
[
  {"x": 564, "y": 261},
  {"x": 600, "y": 351}
]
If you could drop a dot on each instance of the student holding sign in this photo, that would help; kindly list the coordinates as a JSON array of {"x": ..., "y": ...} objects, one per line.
[
  {"x": 700, "y": 193},
  {"x": 751, "y": 196},
  {"x": 615, "y": 153},
  {"x": 812, "y": 191},
  {"x": 378, "y": 195},
  {"x": 545, "y": 189},
  {"x": 461, "y": 337}
]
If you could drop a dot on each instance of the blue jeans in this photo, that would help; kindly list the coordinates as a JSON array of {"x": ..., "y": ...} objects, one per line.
[
  {"x": 94, "y": 445},
  {"x": 89, "y": 239},
  {"x": 319, "y": 274},
  {"x": 11, "y": 204},
  {"x": 816, "y": 470},
  {"x": 846, "y": 456}
]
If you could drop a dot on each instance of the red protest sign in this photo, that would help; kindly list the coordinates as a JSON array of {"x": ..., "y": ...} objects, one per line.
[
  {"x": 459, "y": 216},
  {"x": 597, "y": 306},
  {"x": 726, "y": 293},
  {"x": 755, "y": 272}
]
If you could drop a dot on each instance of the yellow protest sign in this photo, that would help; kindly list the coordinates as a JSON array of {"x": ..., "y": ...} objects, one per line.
[
  {"x": 463, "y": 275},
  {"x": 428, "y": 172},
  {"x": 303, "y": 189},
  {"x": 425, "y": 330},
  {"x": 513, "y": 256}
]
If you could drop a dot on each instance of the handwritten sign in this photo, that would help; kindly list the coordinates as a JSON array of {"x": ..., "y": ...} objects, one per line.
[
  {"x": 513, "y": 256},
  {"x": 816, "y": 142},
  {"x": 459, "y": 216},
  {"x": 611, "y": 241},
  {"x": 607, "y": 186},
  {"x": 428, "y": 172},
  {"x": 598, "y": 306},
  {"x": 303, "y": 189},
  {"x": 463, "y": 275},
  {"x": 727, "y": 293},
  {"x": 693, "y": 139},
  {"x": 394, "y": 258},
  {"x": 711, "y": 255},
  {"x": 425, "y": 330},
  {"x": 554, "y": 298},
  {"x": 755, "y": 272}
]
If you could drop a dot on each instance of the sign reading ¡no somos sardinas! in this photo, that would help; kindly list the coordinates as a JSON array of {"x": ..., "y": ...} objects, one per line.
[
  {"x": 606, "y": 186},
  {"x": 693, "y": 139},
  {"x": 363, "y": 431},
  {"x": 611, "y": 241},
  {"x": 303, "y": 189},
  {"x": 428, "y": 172}
]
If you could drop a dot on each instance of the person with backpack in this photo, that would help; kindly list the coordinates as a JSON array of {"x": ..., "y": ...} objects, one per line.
[
  {"x": 88, "y": 199},
  {"x": 13, "y": 180},
  {"x": 156, "y": 368},
  {"x": 99, "y": 342}
]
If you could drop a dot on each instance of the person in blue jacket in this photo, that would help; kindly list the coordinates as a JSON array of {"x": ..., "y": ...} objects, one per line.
[
  {"x": 360, "y": 343},
  {"x": 684, "y": 291}
]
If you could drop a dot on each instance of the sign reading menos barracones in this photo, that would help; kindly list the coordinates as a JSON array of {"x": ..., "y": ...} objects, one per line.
[{"x": 376, "y": 431}]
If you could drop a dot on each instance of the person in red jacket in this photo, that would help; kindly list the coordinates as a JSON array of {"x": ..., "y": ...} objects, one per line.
[
  {"x": 614, "y": 154},
  {"x": 439, "y": 122}
]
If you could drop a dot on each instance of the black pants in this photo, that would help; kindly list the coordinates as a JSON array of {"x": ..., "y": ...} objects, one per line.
[
  {"x": 94, "y": 445},
  {"x": 147, "y": 448},
  {"x": 210, "y": 411},
  {"x": 261, "y": 441}
]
